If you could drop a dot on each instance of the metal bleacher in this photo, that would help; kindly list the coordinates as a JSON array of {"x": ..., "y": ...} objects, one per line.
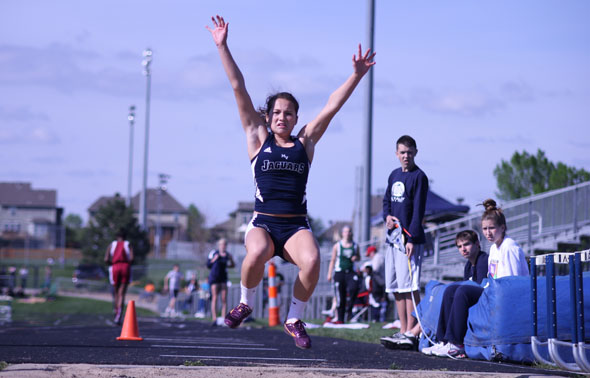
[{"x": 539, "y": 222}]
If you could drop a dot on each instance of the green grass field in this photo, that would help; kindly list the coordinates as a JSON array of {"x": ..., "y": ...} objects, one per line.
[
  {"x": 366, "y": 335},
  {"x": 65, "y": 306}
]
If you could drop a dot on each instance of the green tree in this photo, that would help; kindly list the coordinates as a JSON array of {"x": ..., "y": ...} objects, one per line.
[
  {"x": 527, "y": 174},
  {"x": 74, "y": 231},
  {"x": 317, "y": 227},
  {"x": 101, "y": 231},
  {"x": 196, "y": 225}
]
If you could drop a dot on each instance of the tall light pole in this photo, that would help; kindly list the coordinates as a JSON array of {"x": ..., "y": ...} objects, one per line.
[
  {"x": 368, "y": 133},
  {"x": 131, "y": 118},
  {"x": 163, "y": 180},
  {"x": 147, "y": 60}
]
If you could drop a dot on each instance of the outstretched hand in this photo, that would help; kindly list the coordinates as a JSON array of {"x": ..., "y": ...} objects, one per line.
[
  {"x": 219, "y": 33},
  {"x": 363, "y": 63}
]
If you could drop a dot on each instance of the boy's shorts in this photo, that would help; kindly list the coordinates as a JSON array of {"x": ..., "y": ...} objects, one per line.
[{"x": 397, "y": 274}]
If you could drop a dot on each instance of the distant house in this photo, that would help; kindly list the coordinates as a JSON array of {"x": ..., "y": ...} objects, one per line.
[
  {"x": 234, "y": 229},
  {"x": 332, "y": 234},
  {"x": 173, "y": 216},
  {"x": 29, "y": 217}
]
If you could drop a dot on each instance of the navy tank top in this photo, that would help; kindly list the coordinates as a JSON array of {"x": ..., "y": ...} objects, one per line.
[{"x": 280, "y": 178}]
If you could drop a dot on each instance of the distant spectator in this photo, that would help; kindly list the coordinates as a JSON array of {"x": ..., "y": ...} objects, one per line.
[
  {"x": 218, "y": 261},
  {"x": 204, "y": 295},
  {"x": 378, "y": 282},
  {"x": 24, "y": 275},
  {"x": 191, "y": 290},
  {"x": 149, "y": 291},
  {"x": 11, "y": 280},
  {"x": 47, "y": 279},
  {"x": 172, "y": 283},
  {"x": 344, "y": 254}
]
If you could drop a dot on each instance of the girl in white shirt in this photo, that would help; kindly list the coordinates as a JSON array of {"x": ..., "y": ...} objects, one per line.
[{"x": 506, "y": 256}]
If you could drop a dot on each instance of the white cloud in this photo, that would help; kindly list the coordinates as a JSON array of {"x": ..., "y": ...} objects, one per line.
[
  {"x": 25, "y": 134},
  {"x": 22, "y": 113}
]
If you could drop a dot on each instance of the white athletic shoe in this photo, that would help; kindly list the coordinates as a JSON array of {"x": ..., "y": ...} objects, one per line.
[
  {"x": 429, "y": 350},
  {"x": 392, "y": 342},
  {"x": 442, "y": 351}
]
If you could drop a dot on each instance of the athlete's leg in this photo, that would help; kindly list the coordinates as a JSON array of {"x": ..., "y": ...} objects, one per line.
[
  {"x": 410, "y": 307},
  {"x": 352, "y": 287},
  {"x": 214, "y": 294},
  {"x": 116, "y": 288},
  {"x": 340, "y": 283},
  {"x": 121, "y": 295},
  {"x": 465, "y": 297},
  {"x": 400, "y": 304},
  {"x": 223, "y": 289},
  {"x": 259, "y": 249},
  {"x": 445, "y": 312},
  {"x": 302, "y": 250}
]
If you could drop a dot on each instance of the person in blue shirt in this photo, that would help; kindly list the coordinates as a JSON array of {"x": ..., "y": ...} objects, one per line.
[
  {"x": 451, "y": 321},
  {"x": 475, "y": 270},
  {"x": 404, "y": 204}
]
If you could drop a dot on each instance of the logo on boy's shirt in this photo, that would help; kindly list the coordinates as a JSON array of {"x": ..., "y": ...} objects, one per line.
[
  {"x": 493, "y": 268},
  {"x": 397, "y": 192}
]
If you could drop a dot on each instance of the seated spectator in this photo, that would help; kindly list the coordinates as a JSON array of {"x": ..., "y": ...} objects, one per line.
[
  {"x": 204, "y": 296},
  {"x": 378, "y": 281},
  {"x": 191, "y": 290},
  {"x": 476, "y": 267},
  {"x": 506, "y": 258},
  {"x": 376, "y": 288},
  {"x": 149, "y": 292}
]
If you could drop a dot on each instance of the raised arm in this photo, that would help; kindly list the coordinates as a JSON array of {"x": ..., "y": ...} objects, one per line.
[
  {"x": 314, "y": 130},
  {"x": 251, "y": 122}
]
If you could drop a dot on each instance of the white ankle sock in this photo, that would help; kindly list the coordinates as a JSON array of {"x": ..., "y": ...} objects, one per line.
[
  {"x": 248, "y": 295},
  {"x": 295, "y": 310}
]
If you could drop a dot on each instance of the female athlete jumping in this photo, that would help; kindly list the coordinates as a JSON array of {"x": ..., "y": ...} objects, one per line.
[{"x": 280, "y": 164}]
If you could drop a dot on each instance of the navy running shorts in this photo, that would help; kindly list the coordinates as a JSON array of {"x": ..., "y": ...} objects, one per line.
[{"x": 280, "y": 229}]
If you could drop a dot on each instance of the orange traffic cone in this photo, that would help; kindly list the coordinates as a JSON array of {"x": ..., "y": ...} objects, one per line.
[{"x": 130, "y": 330}]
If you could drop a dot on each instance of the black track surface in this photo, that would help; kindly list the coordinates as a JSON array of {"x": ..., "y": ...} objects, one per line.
[{"x": 171, "y": 342}]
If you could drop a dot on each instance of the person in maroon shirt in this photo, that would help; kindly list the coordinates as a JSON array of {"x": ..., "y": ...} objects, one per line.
[{"x": 119, "y": 256}]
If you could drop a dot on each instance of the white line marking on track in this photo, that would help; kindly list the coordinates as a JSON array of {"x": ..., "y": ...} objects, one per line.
[
  {"x": 208, "y": 347},
  {"x": 202, "y": 341},
  {"x": 243, "y": 358}
]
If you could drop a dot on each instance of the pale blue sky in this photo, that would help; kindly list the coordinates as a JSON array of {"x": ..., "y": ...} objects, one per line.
[{"x": 471, "y": 81}]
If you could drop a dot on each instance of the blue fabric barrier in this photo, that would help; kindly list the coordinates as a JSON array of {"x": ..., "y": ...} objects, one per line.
[{"x": 499, "y": 325}]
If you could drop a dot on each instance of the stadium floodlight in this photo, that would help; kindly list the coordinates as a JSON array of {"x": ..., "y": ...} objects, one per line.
[
  {"x": 131, "y": 119},
  {"x": 163, "y": 178},
  {"x": 146, "y": 63}
]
